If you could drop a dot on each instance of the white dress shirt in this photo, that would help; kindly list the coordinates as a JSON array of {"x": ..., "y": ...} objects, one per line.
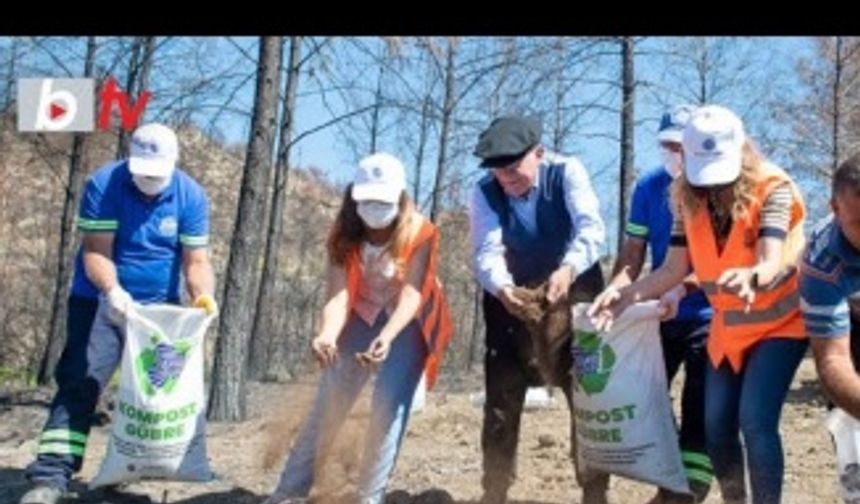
[{"x": 583, "y": 249}]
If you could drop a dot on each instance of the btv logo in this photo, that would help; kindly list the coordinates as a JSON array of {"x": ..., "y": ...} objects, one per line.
[{"x": 68, "y": 105}]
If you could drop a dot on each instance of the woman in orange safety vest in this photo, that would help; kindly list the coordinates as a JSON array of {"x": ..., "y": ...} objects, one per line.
[
  {"x": 385, "y": 313},
  {"x": 739, "y": 229}
]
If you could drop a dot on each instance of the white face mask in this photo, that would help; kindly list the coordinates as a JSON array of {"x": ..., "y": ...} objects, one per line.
[
  {"x": 151, "y": 186},
  {"x": 377, "y": 214},
  {"x": 672, "y": 162}
]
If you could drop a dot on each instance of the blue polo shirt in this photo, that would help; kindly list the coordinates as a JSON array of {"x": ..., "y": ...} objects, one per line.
[
  {"x": 149, "y": 235},
  {"x": 829, "y": 276},
  {"x": 651, "y": 220}
]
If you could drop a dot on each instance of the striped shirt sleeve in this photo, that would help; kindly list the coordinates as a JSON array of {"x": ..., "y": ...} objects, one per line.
[
  {"x": 776, "y": 213},
  {"x": 678, "y": 237}
]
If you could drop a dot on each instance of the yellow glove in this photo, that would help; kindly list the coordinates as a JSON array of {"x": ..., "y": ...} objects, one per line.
[{"x": 206, "y": 302}]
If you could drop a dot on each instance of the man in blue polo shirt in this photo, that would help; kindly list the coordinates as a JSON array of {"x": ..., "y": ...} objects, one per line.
[
  {"x": 830, "y": 290},
  {"x": 144, "y": 223},
  {"x": 685, "y": 327}
]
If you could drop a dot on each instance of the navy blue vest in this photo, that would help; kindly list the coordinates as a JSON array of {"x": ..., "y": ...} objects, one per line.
[{"x": 533, "y": 256}]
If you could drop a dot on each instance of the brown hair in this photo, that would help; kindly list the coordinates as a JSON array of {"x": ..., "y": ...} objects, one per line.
[{"x": 349, "y": 231}]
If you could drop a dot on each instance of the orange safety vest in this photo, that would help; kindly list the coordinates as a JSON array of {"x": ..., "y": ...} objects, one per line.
[
  {"x": 433, "y": 314},
  {"x": 776, "y": 311}
]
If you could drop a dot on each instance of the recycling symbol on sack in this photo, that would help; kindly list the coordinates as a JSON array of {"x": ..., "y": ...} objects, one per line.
[{"x": 593, "y": 360}]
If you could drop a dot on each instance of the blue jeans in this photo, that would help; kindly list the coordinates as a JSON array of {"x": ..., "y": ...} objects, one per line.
[
  {"x": 339, "y": 387},
  {"x": 750, "y": 402}
]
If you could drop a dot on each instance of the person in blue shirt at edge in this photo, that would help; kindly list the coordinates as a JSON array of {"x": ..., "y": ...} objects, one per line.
[
  {"x": 144, "y": 222},
  {"x": 830, "y": 290},
  {"x": 684, "y": 330},
  {"x": 534, "y": 218}
]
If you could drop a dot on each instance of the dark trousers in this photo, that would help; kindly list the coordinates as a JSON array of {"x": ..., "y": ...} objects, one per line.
[
  {"x": 684, "y": 342},
  {"x": 86, "y": 365},
  {"x": 507, "y": 377}
]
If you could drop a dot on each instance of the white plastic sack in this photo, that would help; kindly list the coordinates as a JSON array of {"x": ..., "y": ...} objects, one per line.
[
  {"x": 846, "y": 436},
  {"x": 624, "y": 421},
  {"x": 536, "y": 398},
  {"x": 159, "y": 423}
]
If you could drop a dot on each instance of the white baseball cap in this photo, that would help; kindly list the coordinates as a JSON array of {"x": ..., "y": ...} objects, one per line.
[
  {"x": 153, "y": 151},
  {"x": 673, "y": 122},
  {"x": 713, "y": 145},
  {"x": 379, "y": 177}
]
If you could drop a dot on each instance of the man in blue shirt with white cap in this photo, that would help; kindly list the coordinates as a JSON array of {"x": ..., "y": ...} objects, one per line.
[{"x": 145, "y": 223}]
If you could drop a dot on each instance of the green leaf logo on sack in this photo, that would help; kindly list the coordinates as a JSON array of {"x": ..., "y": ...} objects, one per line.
[
  {"x": 158, "y": 367},
  {"x": 592, "y": 362}
]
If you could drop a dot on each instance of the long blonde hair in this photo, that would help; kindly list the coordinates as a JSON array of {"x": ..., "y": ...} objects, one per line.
[
  {"x": 687, "y": 200},
  {"x": 349, "y": 231}
]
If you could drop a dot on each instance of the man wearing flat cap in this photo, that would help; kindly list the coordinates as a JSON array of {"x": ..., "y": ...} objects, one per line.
[{"x": 534, "y": 219}]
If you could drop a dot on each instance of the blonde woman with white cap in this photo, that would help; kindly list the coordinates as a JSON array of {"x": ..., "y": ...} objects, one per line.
[
  {"x": 385, "y": 313},
  {"x": 739, "y": 228}
]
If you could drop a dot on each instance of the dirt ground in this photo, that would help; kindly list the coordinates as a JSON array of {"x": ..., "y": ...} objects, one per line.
[{"x": 440, "y": 459}]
